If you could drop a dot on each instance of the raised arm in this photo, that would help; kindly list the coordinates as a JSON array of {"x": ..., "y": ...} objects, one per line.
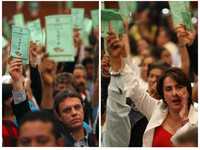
[
  {"x": 185, "y": 38},
  {"x": 20, "y": 102},
  {"x": 125, "y": 77},
  {"x": 48, "y": 72}
]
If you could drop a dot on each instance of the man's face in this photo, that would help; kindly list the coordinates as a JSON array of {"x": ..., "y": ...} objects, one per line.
[
  {"x": 80, "y": 78},
  {"x": 71, "y": 112},
  {"x": 36, "y": 134}
]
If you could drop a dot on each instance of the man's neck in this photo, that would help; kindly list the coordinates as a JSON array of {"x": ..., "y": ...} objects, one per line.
[{"x": 78, "y": 133}]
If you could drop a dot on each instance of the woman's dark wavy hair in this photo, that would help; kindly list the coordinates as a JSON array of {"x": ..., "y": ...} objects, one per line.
[{"x": 179, "y": 76}]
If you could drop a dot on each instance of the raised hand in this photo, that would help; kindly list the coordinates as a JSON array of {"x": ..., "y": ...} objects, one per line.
[
  {"x": 36, "y": 54},
  {"x": 77, "y": 38},
  {"x": 184, "y": 96},
  {"x": 48, "y": 71},
  {"x": 15, "y": 69},
  {"x": 116, "y": 49},
  {"x": 184, "y": 37},
  {"x": 114, "y": 44}
]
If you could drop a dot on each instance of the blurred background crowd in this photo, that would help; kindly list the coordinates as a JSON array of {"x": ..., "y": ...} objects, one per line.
[
  {"x": 45, "y": 77},
  {"x": 154, "y": 45}
]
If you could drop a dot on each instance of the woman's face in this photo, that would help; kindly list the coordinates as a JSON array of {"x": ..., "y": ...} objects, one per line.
[{"x": 175, "y": 95}]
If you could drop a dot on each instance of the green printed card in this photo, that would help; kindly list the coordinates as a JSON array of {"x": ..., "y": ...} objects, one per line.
[
  {"x": 187, "y": 19},
  {"x": 59, "y": 35},
  {"x": 87, "y": 25},
  {"x": 4, "y": 42},
  {"x": 6, "y": 29},
  {"x": 18, "y": 20},
  {"x": 62, "y": 58},
  {"x": 104, "y": 28},
  {"x": 43, "y": 37},
  {"x": 20, "y": 43},
  {"x": 132, "y": 6},
  {"x": 109, "y": 14},
  {"x": 118, "y": 26},
  {"x": 180, "y": 14},
  {"x": 69, "y": 4},
  {"x": 77, "y": 17},
  {"x": 95, "y": 17},
  {"x": 36, "y": 31},
  {"x": 123, "y": 9}
]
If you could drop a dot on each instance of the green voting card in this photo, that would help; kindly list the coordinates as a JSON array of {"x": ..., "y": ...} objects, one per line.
[
  {"x": 6, "y": 28},
  {"x": 36, "y": 32},
  {"x": 18, "y": 20},
  {"x": 33, "y": 6},
  {"x": 187, "y": 20},
  {"x": 109, "y": 14},
  {"x": 132, "y": 6},
  {"x": 87, "y": 25},
  {"x": 43, "y": 37},
  {"x": 59, "y": 35},
  {"x": 104, "y": 28},
  {"x": 62, "y": 58},
  {"x": 180, "y": 14},
  {"x": 20, "y": 43},
  {"x": 127, "y": 7},
  {"x": 123, "y": 9},
  {"x": 4, "y": 42},
  {"x": 77, "y": 17},
  {"x": 69, "y": 4},
  {"x": 118, "y": 26},
  {"x": 95, "y": 17}
]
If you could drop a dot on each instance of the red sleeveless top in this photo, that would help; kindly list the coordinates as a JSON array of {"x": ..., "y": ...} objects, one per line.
[{"x": 161, "y": 138}]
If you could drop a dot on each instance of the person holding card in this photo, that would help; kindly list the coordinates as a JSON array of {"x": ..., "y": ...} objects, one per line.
[{"x": 165, "y": 117}]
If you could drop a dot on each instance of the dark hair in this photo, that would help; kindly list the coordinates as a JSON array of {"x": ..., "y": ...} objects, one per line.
[
  {"x": 61, "y": 96},
  {"x": 6, "y": 94},
  {"x": 79, "y": 66},
  {"x": 158, "y": 65},
  {"x": 6, "y": 91},
  {"x": 87, "y": 60},
  {"x": 43, "y": 116},
  {"x": 179, "y": 76},
  {"x": 65, "y": 77}
]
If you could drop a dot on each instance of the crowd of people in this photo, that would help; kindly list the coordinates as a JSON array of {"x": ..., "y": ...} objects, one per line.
[
  {"x": 149, "y": 80},
  {"x": 50, "y": 103}
]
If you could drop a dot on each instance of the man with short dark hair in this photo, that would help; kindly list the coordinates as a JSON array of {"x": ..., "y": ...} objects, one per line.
[
  {"x": 38, "y": 129},
  {"x": 69, "y": 109}
]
